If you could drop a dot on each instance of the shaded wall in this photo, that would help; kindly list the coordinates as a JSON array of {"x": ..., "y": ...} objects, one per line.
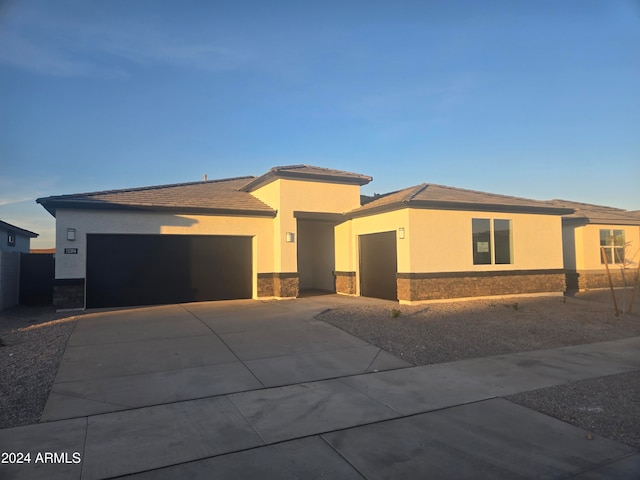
[{"x": 9, "y": 279}]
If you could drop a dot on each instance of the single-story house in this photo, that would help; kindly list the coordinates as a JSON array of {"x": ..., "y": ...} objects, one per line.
[
  {"x": 13, "y": 241},
  {"x": 595, "y": 238},
  {"x": 301, "y": 227}
]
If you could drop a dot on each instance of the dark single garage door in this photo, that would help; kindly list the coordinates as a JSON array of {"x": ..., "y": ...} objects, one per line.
[
  {"x": 378, "y": 265},
  {"x": 128, "y": 270}
]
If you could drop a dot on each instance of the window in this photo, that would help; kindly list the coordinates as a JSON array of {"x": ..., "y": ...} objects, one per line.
[
  {"x": 11, "y": 239},
  {"x": 492, "y": 241},
  {"x": 613, "y": 243}
]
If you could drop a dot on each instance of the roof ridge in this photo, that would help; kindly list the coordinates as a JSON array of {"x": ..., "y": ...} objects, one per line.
[
  {"x": 306, "y": 165},
  {"x": 571, "y": 202},
  {"x": 289, "y": 167},
  {"x": 152, "y": 187},
  {"x": 414, "y": 191}
]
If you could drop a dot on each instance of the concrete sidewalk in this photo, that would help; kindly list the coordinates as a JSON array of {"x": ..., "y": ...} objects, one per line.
[{"x": 437, "y": 421}]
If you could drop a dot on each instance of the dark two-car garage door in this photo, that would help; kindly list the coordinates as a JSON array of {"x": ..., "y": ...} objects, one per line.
[{"x": 127, "y": 270}]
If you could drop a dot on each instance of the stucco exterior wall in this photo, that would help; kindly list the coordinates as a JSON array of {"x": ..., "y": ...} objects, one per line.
[
  {"x": 587, "y": 245},
  {"x": 96, "y": 221},
  {"x": 584, "y": 269},
  {"x": 347, "y": 233},
  {"x": 22, "y": 243},
  {"x": 441, "y": 241},
  {"x": 288, "y": 196}
]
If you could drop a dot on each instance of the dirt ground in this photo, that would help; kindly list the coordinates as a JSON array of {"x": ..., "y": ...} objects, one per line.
[{"x": 32, "y": 342}]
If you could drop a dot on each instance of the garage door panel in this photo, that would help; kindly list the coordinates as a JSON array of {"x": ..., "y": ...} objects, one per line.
[{"x": 124, "y": 270}]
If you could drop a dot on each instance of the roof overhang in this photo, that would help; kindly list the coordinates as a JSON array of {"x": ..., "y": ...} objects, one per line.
[
  {"x": 18, "y": 230},
  {"x": 51, "y": 205},
  {"x": 320, "y": 216},
  {"x": 273, "y": 175},
  {"x": 473, "y": 207},
  {"x": 600, "y": 221}
]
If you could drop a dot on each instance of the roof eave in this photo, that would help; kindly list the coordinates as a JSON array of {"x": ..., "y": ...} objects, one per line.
[
  {"x": 600, "y": 221},
  {"x": 45, "y": 202},
  {"x": 292, "y": 175},
  {"x": 18, "y": 230},
  {"x": 52, "y": 206},
  {"x": 475, "y": 207}
]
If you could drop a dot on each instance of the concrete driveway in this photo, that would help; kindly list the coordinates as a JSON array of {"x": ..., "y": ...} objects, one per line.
[
  {"x": 132, "y": 358},
  {"x": 249, "y": 389}
]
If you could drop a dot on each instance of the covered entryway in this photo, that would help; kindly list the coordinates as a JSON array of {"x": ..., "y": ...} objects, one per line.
[
  {"x": 378, "y": 265},
  {"x": 128, "y": 270},
  {"x": 316, "y": 251}
]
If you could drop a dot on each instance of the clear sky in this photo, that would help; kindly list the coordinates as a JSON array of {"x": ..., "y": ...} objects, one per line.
[{"x": 539, "y": 99}]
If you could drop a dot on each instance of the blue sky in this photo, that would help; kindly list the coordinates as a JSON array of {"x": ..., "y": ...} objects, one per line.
[{"x": 539, "y": 99}]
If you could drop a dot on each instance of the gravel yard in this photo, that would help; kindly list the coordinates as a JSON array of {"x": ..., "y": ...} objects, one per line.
[
  {"x": 608, "y": 406},
  {"x": 445, "y": 332},
  {"x": 33, "y": 342}
]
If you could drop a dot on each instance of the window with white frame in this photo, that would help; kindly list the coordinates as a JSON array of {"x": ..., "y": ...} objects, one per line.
[
  {"x": 612, "y": 245},
  {"x": 492, "y": 241}
]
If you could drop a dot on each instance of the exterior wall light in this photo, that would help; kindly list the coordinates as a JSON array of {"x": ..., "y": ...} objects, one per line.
[
  {"x": 71, "y": 234},
  {"x": 401, "y": 233},
  {"x": 291, "y": 237}
]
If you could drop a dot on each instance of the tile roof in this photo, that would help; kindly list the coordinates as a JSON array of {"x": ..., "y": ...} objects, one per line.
[
  {"x": 586, "y": 212},
  {"x": 440, "y": 196},
  {"x": 215, "y": 196},
  {"x": 308, "y": 172}
]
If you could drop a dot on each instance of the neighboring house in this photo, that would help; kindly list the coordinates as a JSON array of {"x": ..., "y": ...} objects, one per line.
[
  {"x": 13, "y": 241},
  {"x": 300, "y": 227},
  {"x": 589, "y": 230}
]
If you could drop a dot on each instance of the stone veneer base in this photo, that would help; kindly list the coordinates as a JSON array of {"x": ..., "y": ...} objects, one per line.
[
  {"x": 68, "y": 293},
  {"x": 345, "y": 282},
  {"x": 414, "y": 287},
  {"x": 281, "y": 285},
  {"x": 587, "y": 279}
]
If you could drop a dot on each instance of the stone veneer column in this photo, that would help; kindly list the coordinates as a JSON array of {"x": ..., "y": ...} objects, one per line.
[
  {"x": 284, "y": 285},
  {"x": 345, "y": 282},
  {"x": 68, "y": 293}
]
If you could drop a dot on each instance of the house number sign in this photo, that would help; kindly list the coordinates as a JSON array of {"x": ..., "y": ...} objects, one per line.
[{"x": 71, "y": 251}]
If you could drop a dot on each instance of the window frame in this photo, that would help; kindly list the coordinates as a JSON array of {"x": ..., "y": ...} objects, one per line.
[
  {"x": 613, "y": 251},
  {"x": 496, "y": 250},
  {"x": 11, "y": 239}
]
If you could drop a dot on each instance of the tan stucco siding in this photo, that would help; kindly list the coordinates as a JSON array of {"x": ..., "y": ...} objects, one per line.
[
  {"x": 288, "y": 196},
  {"x": 587, "y": 245},
  {"x": 441, "y": 241},
  {"x": 347, "y": 233},
  {"x": 272, "y": 196},
  {"x": 95, "y": 221}
]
